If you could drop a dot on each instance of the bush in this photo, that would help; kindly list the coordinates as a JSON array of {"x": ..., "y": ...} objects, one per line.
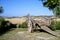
[
  {"x": 5, "y": 25},
  {"x": 55, "y": 25},
  {"x": 23, "y": 25}
]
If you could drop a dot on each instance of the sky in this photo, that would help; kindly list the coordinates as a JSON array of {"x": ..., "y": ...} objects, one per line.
[{"x": 23, "y": 7}]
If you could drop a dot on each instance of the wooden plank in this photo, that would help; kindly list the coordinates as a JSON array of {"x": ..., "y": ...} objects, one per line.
[
  {"x": 45, "y": 28},
  {"x": 49, "y": 30}
]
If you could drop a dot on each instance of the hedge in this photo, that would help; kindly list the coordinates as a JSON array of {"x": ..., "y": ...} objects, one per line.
[{"x": 55, "y": 25}]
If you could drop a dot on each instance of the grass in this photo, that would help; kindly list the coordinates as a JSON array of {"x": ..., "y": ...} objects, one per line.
[
  {"x": 30, "y": 36},
  {"x": 10, "y": 33}
]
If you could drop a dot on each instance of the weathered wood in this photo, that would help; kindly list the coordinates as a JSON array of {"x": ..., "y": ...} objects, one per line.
[
  {"x": 29, "y": 24},
  {"x": 42, "y": 24},
  {"x": 45, "y": 28},
  {"x": 49, "y": 30}
]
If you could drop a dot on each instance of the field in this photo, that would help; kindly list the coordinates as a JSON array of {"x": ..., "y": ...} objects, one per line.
[
  {"x": 16, "y": 20},
  {"x": 22, "y": 34},
  {"x": 23, "y": 19}
]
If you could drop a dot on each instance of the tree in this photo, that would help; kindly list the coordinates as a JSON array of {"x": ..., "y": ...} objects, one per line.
[
  {"x": 52, "y": 5},
  {"x": 57, "y": 11},
  {"x": 1, "y": 9}
]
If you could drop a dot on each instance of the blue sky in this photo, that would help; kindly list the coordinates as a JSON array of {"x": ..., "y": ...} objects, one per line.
[{"x": 23, "y": 7}]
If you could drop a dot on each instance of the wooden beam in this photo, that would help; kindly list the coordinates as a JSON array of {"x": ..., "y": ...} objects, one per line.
[{"x": 29, "y": 24}]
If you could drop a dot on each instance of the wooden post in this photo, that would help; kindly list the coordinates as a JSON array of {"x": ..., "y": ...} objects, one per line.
[{"x": 29, "y": 24}]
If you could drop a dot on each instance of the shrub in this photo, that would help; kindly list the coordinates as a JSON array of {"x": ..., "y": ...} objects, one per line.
[
  {"x": 23, "y": 25},
  {"x": 55, "y": 25},
  {"x": 5, "y": 25}
]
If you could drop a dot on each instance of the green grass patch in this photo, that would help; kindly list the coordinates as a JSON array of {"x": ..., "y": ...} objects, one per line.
[{"x": 14, "y": 31}]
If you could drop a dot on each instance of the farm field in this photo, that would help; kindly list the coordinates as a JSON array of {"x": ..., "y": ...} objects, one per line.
[
  {"x": 23, "y": 19},
  {"x": 16, "y": 20},
  {"x": 22, "y": 34}
]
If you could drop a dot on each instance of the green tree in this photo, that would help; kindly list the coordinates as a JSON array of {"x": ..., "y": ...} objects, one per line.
[
  {"x": 52, "y": 5},
  {"x": 1, "y": 9}
]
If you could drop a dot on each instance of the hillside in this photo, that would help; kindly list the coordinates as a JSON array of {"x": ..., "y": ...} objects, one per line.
[{"x": 19, "y": 20}]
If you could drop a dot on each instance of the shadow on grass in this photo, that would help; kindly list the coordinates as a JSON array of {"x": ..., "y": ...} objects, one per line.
[{"x": 6, "y": 31}]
